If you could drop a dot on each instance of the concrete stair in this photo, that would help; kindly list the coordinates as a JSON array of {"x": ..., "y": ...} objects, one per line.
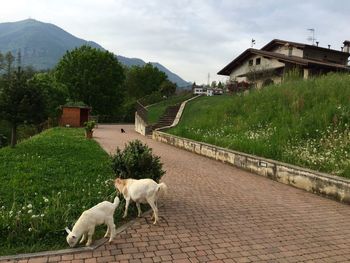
[{"x": 167, "y": 118}]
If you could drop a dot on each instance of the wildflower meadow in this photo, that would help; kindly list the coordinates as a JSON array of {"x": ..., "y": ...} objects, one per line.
[{"x": 302, "y": 122}]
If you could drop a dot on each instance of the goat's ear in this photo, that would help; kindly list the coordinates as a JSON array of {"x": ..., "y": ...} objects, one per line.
[
  {"x": 67, "y": 230},
  {"x": 118, "y": 181}
]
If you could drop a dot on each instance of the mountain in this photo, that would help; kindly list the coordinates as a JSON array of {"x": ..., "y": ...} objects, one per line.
[
  {"x": 43, "y": 44},
  {"x": 139, "y": 62}
]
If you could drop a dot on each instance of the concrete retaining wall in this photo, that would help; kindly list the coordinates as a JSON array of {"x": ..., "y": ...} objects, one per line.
[
  {"x": 140, "y": 125},
  {"x": 319, "y": 183}
]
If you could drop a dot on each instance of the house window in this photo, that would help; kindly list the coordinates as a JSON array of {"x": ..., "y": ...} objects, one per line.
[
  {"x": 258, "y": 61},
  {"x": 250, "y": 62}
]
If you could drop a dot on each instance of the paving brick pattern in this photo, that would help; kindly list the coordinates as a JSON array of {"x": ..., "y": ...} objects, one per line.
[{"x": 217, "y": 213}]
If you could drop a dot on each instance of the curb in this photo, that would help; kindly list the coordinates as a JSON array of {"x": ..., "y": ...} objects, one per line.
[
  {"x": 96, "y": 245},
  {"x": 331, "y": 186}
]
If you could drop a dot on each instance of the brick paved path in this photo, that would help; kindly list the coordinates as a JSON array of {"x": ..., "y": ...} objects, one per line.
[{"x": 217, "y": 213}]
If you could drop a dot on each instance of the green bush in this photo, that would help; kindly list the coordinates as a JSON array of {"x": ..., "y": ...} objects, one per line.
[
  {"x": 137, "y": 161},
  {"x": 89, "y": 125}
]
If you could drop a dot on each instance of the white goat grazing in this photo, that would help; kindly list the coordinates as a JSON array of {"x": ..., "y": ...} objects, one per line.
[
  {"x": 141, "y": 191},
  {"x": 99, "y": 214}
]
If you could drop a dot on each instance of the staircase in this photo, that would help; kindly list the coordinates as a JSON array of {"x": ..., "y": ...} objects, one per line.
[{"x": 167, "y": 119}]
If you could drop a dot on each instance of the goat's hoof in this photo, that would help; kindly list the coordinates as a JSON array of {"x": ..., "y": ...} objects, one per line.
[{"x": 124, "y": 216}]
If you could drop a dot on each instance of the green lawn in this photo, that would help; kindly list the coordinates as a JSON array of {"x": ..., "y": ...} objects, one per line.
[
  {"x": 46, "y": 183},
  {"x": 157, "y": 110},
  {"x": 306, "y": 123}
]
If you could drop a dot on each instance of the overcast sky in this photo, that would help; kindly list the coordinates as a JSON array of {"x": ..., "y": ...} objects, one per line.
[{"x": 191, "y": 38}]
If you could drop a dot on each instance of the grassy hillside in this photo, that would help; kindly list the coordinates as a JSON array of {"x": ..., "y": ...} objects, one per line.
[
  {"x": 46, "y": 182},
  {"x": 157, "y": 110},
  {"x": 299, "y": 122}
]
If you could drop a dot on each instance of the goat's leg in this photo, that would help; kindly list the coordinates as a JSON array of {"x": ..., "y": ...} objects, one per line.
[
  {"x": 83, "y": 238},
  {"x": 111, "y": 227},
  {"x": 138, "y": 209},
  {"x": 127, "y": 201},
  {"x": 154, "y": 208},
  {"x": 108, "y": 231},
  {"x": 90, "y": 233},
  {"x": 156, "y": 204}
]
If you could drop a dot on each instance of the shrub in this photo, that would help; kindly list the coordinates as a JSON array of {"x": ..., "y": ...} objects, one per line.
[
  {"x": 137, "y": 161},
  {"x": 89, "y": 125}
]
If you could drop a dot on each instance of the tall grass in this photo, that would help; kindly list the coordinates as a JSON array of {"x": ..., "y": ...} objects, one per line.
[
  {"x": 45, "y": 184},
  {"x": 300, "y": 122}
]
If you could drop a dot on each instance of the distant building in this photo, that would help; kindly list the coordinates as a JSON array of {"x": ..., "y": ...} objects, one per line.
[
  {"x": 199, "y": 90},
  {"x": 206, "y": 90},
  {"x": 210, "y": 92},
  {"x": 267, "y": 65}
]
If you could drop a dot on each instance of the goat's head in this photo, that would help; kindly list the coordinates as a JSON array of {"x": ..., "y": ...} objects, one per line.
[
  {"x": 71, "y": 238},
  {"x": 119, "y": 184}
]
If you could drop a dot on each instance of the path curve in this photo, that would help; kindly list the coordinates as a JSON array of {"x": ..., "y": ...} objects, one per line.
[{"x": 217, "y": 213}]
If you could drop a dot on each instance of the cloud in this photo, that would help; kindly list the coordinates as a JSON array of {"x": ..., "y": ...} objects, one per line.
[{"x": 190, "y": 37}]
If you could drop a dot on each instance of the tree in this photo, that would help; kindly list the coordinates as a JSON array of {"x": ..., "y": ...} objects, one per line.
[
  {"x": 167, "y": 88},
  {"x": 8, "y": 60},
  {"x": 2, "y": 61},
  {"x": 20, "y": 102},
  {"x": 220, "y": 85},
  {"x": 142, "y": 81},
  {"x": 55, "y": 93},
  {"x": 94, "y": 77}
]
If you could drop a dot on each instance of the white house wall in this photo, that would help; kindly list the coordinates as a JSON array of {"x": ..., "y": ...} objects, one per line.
[
  {"x": 285, "y": 51},
  {"x": 264, "y": 64}
]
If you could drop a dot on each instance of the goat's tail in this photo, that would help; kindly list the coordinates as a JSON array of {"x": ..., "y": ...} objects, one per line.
[
  {"x": 116, "y": 201},
  {"x": 162, "y": 189}
]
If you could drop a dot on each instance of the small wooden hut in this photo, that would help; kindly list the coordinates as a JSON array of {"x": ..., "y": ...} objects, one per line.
[{"x": 74, "y": 116}]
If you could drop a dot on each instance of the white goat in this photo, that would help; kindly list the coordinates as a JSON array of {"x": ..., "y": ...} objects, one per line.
[
  {"x": 99, "y": 214},
  {"x": 141, "y": 191}
]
